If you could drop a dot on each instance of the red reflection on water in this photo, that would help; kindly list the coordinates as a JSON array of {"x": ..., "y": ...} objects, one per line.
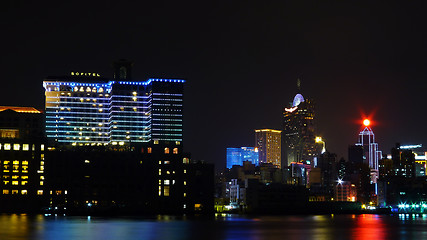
[{"x": 369, "y": 226}]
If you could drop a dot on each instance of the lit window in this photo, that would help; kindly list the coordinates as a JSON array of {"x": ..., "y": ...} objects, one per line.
[
  {"x": 166, "y": 182},
  {"x": 42, "y": 147},
  {"x": 185, "y": 194},
  {"x": 14, "y": 191},
  {"x": 5, "y": 191},
  {"x": 167, "y": 162},
  {"x": 5, "y": 182},
  {"x": 166, "y": 191},
  {"x": 15, "y": 177},
  {"x": 175, "y": 151},
  {"x": 185, "y": 170},
  {"x": 24, "y": 177},
  {"x": 149, "y": 150},
  {"x": 15, "y": 162},
  {"x": 177, "y": 143},
  {"x": 160, "y": 172},
  {"x": 6, "y": 162},
  {"x": 41, "y": 183},
  {"x": 24, "y": 182},
  {"x": 160, "y": 190},
  {"x": 160, "y": 162},
  {"x": 6, "y": 146},
  {"x": 160, "y": 182},
  {"x": 156, "y": 142},
  {"x": 24, "y": 192},
  {"x": 166, "y": 150},
  {"x": 185, "y": 160},
  {"x": 39, "y": 192},
  {"x": 15, "y": 182},
  {"x": 25, "y": 162},
  {"x": 25, "y": 147},
  {"x": 185, "y": 183}
]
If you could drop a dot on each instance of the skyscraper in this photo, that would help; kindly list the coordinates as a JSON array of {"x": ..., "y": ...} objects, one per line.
[
  {"x": 268, "y": 142},
  {"x": 87, "y": 109},
  {"x": 299, "y": 130},
  {"x": 371, "y": 154}
]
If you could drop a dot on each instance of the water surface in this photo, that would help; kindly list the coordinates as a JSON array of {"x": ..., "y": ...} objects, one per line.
[{"x": 365, "y": 226}]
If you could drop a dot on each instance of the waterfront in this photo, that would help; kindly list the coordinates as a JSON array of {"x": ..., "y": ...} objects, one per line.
[{"x": 364, "y": 226}]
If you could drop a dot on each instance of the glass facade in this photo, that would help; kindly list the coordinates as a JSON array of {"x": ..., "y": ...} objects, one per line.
[
  {"x": 236, "y": 156},
  {"x": 91, "y": 110}
]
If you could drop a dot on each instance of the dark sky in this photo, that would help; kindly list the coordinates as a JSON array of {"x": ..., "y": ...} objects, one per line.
[{"x": 241, "y": 60}]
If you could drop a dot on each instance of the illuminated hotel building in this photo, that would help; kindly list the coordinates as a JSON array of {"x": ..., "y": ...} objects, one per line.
[
  {"x": 268, "y": 142},
  {"x": 21, "y": 157},
  {"x": 299, "y": 130},
  {"x": 86, "y": 109}
]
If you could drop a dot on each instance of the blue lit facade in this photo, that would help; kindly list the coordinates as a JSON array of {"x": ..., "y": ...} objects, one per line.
[
  {"x": 236, "y": 156},
  {"x": 90, "y": 110}
]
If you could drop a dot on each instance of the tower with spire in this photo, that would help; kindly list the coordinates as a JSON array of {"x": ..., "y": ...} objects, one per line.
[{"x": 298, "y": 139}]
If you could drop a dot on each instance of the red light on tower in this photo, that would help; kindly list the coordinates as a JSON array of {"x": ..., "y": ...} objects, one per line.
[{"x": 366, "y": 122}]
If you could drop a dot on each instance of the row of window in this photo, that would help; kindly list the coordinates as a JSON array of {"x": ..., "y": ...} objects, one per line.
[
  {"x": 22, "y": 192},
  {"x": 18, "y": 147}
]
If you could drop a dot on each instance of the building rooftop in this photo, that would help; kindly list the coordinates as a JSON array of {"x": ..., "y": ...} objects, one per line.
[{"x": 20, "y": 109}]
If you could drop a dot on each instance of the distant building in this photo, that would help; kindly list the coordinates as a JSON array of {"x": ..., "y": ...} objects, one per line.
[
  {"x": 236, "y": 156},
  {"x": 22, "y": 158},
  {"x": 87, "y": 109},
  {"x": 345, "y": 192},
  {"x": 299, "y": 130},
  {"x": 371, "y": 154},
  {"x": 268, "y": 142}
]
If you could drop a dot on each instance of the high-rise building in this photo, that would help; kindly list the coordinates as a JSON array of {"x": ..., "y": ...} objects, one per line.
[
  {"x": 299, "y": 130},
  {"x": 268, "y": 142},
  {"x": 87, "y": 109},
  {"x": 236, "y": 156},
  {"x": 22, "y": 158},
  {"x": 371, "y": 154}
]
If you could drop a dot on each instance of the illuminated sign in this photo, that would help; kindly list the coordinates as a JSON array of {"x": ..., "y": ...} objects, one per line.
[{"x": 85, "y": 74}]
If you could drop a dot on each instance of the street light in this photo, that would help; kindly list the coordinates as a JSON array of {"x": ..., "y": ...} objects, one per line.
[{"x": 319, "y": 140}]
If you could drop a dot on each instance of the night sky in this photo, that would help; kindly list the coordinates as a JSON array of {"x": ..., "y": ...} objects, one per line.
[{"x": 241, "y": 60}]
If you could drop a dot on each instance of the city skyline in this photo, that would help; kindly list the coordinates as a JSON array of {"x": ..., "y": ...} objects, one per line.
[{"x": 355, "y": 61}]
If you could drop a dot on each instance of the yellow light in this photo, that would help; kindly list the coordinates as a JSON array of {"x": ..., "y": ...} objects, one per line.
[
  {"x": 366, "y": 122},
  {"x": 318, "y": 139}
]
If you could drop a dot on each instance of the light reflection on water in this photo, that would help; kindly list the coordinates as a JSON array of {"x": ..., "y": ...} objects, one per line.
[{"x": 230, "y": 227}]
